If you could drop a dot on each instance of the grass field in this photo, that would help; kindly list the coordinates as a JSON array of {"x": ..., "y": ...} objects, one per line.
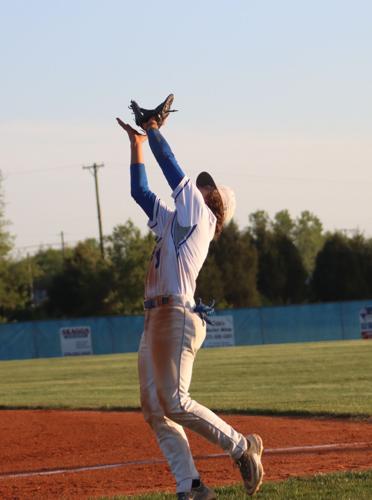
[
  {"x": 344, "y": 486},
  {"x": 324, "y": 378}
]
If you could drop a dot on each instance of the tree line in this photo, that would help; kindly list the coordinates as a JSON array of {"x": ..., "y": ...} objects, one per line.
[{"x": 273, "y": 261}]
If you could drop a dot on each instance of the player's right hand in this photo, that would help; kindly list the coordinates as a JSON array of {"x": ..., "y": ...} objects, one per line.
[{"x": 133, "y": 134}]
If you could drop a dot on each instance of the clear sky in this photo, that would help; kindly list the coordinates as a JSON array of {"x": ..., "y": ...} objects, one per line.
[{"x": 274, "y": 96}]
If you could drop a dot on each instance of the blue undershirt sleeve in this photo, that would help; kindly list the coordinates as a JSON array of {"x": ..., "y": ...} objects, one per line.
[
  {"x": 165, "y": 157},
  {"x": 140, "y": 189}
]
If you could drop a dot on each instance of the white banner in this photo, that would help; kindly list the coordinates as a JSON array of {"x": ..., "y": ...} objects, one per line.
[
  {"x": 365, "y": 317},
  {"x": 221, "y": 333},
  {"x": 76, "y": 340}
]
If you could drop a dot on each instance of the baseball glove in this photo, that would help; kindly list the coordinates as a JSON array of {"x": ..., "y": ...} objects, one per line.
[{"x": 160, "y": 113}]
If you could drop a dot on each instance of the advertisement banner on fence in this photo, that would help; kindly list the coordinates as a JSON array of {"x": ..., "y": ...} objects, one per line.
[
  {"x": 365, "y": 317},
  {"x": 76, "y": 340},
  {"x": 221, "y": 333}
]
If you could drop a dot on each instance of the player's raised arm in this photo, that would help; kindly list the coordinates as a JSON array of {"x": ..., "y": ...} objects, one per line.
[
  {"x": 139, "y": 186},
  {"x": 164, "y": 155}
]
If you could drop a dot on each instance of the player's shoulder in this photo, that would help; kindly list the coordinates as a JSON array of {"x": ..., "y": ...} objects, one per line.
[
  {"x": 211, "y": 217},
  {"x": 187, "y": 190},
  {"x": 185, "y": 187}
]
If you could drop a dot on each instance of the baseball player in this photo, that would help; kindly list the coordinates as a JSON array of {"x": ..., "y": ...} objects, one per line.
[{"x": 173, "y": 330}]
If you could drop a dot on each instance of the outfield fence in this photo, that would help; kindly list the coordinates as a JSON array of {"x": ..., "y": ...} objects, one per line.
[{"x": 117, "y": 334}]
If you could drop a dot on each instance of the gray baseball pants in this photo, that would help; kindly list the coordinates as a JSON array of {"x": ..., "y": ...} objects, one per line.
[{"x": 172, "y": 336}]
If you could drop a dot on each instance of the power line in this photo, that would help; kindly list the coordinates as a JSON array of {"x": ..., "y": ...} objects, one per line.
[
  {"x": 251, "y": 177},
  {"x": 38, "y": 170},
  {"x": 48, "y": 244},
  {"x": 8, "y": 173},
  {"x": 275, "y": 178}
]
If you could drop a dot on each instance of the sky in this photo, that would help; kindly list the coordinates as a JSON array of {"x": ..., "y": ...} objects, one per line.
[{"x": 274, "y": 100}]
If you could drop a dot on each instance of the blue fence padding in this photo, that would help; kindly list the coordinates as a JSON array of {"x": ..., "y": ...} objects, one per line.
[
  {"x": 297, "y": 323},
  {"x": 350, "y": 318},
  {"x": 41, "y": 339},
  {"x": 247, "y": 325},
  {"x": 16, "y": 342},
  {"x": 302, "y": 323},
  {"x": 126, "y": 333},
  {"x": 263, "y": 325}
]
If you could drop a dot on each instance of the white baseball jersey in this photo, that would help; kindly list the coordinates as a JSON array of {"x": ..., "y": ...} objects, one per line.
[{"x": 182, "y": 241}]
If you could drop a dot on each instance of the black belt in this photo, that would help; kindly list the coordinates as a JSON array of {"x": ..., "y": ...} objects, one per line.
[
  {"x": 201, "y": 309},
  {"x": 156, "y": 302}
]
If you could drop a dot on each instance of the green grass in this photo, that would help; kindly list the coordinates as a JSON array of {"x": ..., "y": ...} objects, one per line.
[
  {"x": 340, "y": 486},
  {"x": 323, "y": 378}
]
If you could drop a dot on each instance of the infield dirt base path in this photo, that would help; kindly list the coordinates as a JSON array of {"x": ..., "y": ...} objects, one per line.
[{"x": 34, "y": 441}]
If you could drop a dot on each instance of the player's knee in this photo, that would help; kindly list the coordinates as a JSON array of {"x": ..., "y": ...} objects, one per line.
[
  {"x": 174, "y": 406},
  {"x": 150, "y": 407},
  {"x": 146, "y": 415}
]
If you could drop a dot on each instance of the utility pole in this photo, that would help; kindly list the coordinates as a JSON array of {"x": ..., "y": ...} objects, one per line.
[
  {"x": 31, "y": 279},
  {"x": 63, "y": 245},
  {"x": 95, "y": 168}
]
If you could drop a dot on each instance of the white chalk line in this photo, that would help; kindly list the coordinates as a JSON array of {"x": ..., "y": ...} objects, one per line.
[{"x": 154, "y": 461}]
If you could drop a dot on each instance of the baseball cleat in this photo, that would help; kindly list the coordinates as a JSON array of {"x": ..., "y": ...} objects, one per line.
[
  {"x": 202, "y": 492},
  {"x": 160, "y": 113},
  {"x": 250, "y": 465}
]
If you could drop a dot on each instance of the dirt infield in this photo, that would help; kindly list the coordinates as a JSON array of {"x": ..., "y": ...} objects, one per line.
[{"x": 70, "y": 448}]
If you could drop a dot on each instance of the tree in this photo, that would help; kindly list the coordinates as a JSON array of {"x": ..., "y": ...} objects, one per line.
[
  {"x": 283, "y": 224},
  {"x": 47, "y": 263},
  {"x": 6, "y": 243},
  {"x": 339, "y": 273},
  {"x": 259, "y": 224},
  {"x": 236, "y": 256},
  {"x": 308, "y": 238},
  {"x": 6, "y": 240},
  {"x": 364, "y": 249},
  {"x": 229, "y": 274},
  {"x": 281, "y": 274},
  {"x": 82, "y": 286},
  {"x": 129, "y": 253},
  {"x": 210, "y": 283}
]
